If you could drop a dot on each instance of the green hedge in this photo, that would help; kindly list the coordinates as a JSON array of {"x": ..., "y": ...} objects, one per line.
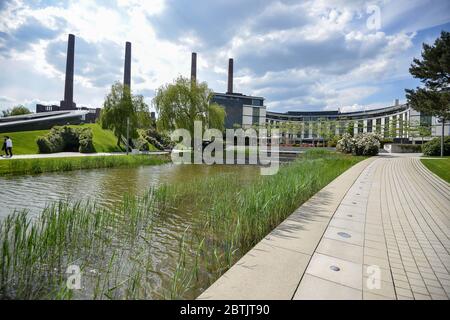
[
  {"x": 433, "y": 147},
  {"x": 67, "y": 139},
  {"x": 411, "y": 148}
]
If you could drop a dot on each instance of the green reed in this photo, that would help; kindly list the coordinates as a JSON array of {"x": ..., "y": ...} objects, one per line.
[
  {"x": 114, "y": 246},
  {"x": 14, "y": 167}
]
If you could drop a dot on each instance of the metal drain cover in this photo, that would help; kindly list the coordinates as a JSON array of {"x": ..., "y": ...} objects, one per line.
[
  {"x": 344, "y": 235},
  {"x": 335, "y": 268},
  {"x": 350, "y": 215}
]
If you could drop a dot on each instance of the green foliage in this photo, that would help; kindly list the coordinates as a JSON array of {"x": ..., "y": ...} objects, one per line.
[
  {"x": 68, "y": 139},
  {"x": 106, "y": 240},
  {"x": 120, "y": 104},
  {"x": 154, "y": 140},
  {"x": 433, "y": 147},
  {"x": 25, "y": 141},
  {"x": 410, "y": 148},
  {"x": 85, "y": 140},
  {"x": 385, "y": 141},
  {"x": 34, "y": 166},
  {"x": 16, "y": 111},
  {"x": 182, "y": 102},
  {"x": 434, "y": 72},
  {"x": 334, "y": 141}
]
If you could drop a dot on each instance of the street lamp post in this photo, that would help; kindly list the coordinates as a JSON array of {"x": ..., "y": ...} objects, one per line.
[{"x": 128, "y": 134}]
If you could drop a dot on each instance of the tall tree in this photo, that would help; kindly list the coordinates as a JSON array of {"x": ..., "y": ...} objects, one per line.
[
  {"x": 16, "y": 111},
  {"x": 181, "y": 103},
  {"x": 433, "y": 70},
  {"x": 120, "y": 104}
]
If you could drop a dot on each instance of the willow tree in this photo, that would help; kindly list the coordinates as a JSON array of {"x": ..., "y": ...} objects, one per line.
[
  {"x": 120, "y": 109},
  {"x": 181, "y": 103}
]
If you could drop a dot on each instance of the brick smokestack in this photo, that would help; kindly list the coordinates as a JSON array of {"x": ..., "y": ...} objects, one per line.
[
  {"x": 127, "y": 67},
  {"x": 194, "y": 67},
  {"x": 230, "y": 76},
  {"x": 68, "y": 103}
]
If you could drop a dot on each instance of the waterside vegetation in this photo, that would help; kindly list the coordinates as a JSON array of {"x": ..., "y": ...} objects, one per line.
[{"x": 114, "y": 247}]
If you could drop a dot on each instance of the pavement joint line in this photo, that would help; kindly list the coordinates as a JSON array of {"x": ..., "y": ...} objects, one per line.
[
  {"x": 328, "y": 225},
  {"x": 397, "y": 220}
]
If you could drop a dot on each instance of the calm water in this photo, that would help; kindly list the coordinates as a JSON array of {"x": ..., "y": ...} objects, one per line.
[{"x": 105, "y": 186}]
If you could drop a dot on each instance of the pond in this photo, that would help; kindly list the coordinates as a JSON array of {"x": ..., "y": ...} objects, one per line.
[
  {"x": 107, "y": 187},
  {"x": 104, "y": 186}
]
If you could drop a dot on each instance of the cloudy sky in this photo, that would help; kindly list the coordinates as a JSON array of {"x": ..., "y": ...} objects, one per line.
[{"x": 299, "y": 55}]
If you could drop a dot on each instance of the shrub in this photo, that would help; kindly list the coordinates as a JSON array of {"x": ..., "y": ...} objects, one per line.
[
  {"x": 334, "y": 141},
  {"x": 68, "y": 139},
  {"x": 385, "y": 141},
  {"x": 366, "y": 144},
  {"x": 85, "y": 140},
  {"x": 411, "y": 148},
  {"x": 433, "y": 147},
  {"x": 153, "y": 137}
]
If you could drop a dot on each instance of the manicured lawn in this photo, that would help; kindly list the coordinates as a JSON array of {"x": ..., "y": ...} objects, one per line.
[
  {"x": 25, "y": 142},
  {"x": 440, "y": 167}
]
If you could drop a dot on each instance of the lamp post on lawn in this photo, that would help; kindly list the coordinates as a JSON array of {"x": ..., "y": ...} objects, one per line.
[{"x": 128, "y": 134}]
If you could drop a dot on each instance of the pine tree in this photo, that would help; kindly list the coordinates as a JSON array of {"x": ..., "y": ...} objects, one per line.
[{"x": 433, "y": 70}]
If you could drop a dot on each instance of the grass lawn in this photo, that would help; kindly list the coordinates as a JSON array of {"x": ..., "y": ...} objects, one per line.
[
  {"x": 25, "y": 142},
  {"x": 440, "y": 167},
  {"x": 34, "y": 166}
]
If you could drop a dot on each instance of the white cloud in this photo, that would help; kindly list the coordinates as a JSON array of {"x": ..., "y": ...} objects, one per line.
[{"x": 299, "y": 55}]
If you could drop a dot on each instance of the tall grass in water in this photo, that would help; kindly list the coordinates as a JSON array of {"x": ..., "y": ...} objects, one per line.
[
  {"x": 114, "y": 248},
  {"x": 40, "y": 165}
]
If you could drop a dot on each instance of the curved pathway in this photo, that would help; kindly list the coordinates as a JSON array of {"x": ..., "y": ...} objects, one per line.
[{"x": 379, "y": 231}]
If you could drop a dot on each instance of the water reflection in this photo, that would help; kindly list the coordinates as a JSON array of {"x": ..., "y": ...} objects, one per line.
[{"x": 104, "y": 186}]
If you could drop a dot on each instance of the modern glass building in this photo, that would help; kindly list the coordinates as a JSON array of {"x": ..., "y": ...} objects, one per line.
[{"x": 393, "y": 121}]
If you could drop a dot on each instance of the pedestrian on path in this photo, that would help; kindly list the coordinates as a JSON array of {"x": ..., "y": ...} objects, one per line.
[
  {"x": 4, "y": 146},
  {"x": 9, "y": 146}
]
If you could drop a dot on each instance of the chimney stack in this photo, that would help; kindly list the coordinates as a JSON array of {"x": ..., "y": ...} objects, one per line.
[
  {"x": 230, "y": 76},
  {"x": 127, "y": 69},
  {"x": 194, "y": 67},
  {"x": 68, "y": 103}
]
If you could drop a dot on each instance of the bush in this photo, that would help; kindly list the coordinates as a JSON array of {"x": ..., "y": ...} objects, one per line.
[
  {"x": 410, "y": 148},
  {"x": 154, "y": 138},
  {"x": 68, "y": 139},
  {"x": 85, "y": 140},
  {"x": 334, "y": 141},
  {"x": 385, "y": 141},
  {"x": 433, "y": 147},
  {"x": 366, "y": 144}
]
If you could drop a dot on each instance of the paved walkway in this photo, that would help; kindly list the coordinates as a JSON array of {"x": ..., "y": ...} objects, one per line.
[{"x": 379, "y": 231}]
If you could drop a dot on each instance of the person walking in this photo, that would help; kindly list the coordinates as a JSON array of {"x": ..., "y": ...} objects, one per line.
[
  {"x": 9, "y": 146},
  {"x": 4, "y": 146}
]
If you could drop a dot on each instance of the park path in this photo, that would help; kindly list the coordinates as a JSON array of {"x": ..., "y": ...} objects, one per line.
[{"x": 379, "y": 231}]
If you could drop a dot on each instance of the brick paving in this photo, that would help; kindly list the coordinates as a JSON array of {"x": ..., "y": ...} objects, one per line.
[{"x": 386, "y": 236}]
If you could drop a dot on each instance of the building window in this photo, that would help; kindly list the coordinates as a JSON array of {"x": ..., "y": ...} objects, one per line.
[
  {"x": 306, "y": 130},
  {"x": 360, "y": 126},
  {"x": 386, "y": 127},
  {"x": 256, "y": 102},
  {"x": 369, "y": 125},
  {"x": 425, "y": 120},
  {"x": 378, "y": 126}
]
